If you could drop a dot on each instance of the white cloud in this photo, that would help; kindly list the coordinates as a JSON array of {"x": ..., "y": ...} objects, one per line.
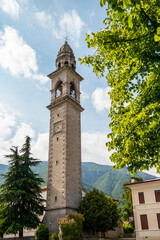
[
  {"x": 22, "y": 131},
  {"x": 69, "y": 24},
  {"x": 10, "y": 7},
  {"x": 45, "y": 20},
  {"x": 6, "y": 123},
  {"x": 13, "y": 133},
  {"x": 101, "y": 99},
  {"x": 94, "y": 149},
  {"x": 18, "y": 57},
  {"x": 40, "y": 146}
]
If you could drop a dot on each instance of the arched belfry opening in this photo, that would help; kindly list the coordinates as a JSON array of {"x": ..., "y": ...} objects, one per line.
[
  {"x": 72, "y": 90},
  {"x": 59, "y": 89}
]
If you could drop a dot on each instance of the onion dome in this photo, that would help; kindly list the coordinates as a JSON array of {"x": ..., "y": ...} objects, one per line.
[{"x": 65, "y": 57}]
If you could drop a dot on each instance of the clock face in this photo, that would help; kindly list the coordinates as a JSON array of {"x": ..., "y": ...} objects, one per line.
[{"x": 57, "y": 127}]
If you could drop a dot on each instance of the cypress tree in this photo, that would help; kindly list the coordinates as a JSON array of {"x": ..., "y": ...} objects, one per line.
[{"x": 20, "y": 195}]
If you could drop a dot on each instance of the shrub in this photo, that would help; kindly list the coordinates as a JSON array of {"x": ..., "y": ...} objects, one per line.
[
  {"x": 54, "y": 236},
  {"x": 128, "y": 228},
  {"x": 42, "y": 232},
  {"x": 70, "y": 227}
]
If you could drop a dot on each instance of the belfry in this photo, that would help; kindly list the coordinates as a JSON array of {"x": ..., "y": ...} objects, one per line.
[{"x": 64, "y": 187}]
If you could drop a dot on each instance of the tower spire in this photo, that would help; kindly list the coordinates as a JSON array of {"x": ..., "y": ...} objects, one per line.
[{"x": 65, "y": 57}]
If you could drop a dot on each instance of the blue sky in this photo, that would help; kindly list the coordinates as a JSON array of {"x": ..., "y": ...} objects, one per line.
[{"x": 31, "y": 34}]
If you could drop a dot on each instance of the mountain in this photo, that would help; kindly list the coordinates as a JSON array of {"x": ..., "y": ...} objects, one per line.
[
  {"x": 102, "y": 177},
  {"x": 41, "y": 169}
]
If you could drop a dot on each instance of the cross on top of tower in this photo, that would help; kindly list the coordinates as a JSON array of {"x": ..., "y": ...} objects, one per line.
[{"x": 66, "y": 39}]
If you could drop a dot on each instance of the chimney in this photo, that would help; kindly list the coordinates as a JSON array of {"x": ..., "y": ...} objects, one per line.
[{"x": 132, "y": 179}]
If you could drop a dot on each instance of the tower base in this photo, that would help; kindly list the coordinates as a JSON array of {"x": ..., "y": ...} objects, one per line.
[{"x": 51, "y": 217}]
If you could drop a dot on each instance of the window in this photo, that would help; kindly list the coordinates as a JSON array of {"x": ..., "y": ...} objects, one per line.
[
  {"x": 59, "y": 89},
  {"x": 141, "y": 197},
  {"x": 55, "y": 199},
  {"x": 157, "y": 195},
  {"x": 73, "y": 67},
  {"x": 144, "y": 221},
  {"x": 158, "y": 219},
  {"x": 59, "y": 65},
  {"x": 66, "y": 63}
]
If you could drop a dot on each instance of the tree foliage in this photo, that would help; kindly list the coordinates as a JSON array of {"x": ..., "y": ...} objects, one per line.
[
  {"x": 100, "y": 212},
  {"x": 42, "y": 233},
  {"x": 128, "y": 49},
  {"x": 20, "y": 195},
  {"x": 127, "y": 198}
]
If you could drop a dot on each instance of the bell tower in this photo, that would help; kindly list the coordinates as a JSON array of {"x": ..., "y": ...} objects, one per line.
[{"x": 64, "y": 188}]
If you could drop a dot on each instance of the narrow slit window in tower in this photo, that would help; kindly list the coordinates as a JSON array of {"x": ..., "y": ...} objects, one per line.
[
  {"x": 59, "y": 65},
  {"x": 73, "y": 67}
]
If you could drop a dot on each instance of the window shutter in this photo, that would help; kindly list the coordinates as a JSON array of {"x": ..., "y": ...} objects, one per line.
[
  {"x": 144, "y": 221},
  {"x": 157, "y": 195},
  {"x": 141, "y": 197},
  {"x": 158, "y": 219}
]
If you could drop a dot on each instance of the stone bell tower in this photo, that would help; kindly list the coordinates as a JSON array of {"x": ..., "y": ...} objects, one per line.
[{"x": 64, "y": 164}]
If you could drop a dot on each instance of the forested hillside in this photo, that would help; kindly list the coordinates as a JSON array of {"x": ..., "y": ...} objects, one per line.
[
  {"x": 106, "y": 179},
  {"x": 102, "y": 177}
]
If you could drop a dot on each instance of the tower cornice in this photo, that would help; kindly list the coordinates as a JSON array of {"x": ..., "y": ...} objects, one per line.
[
  {"x": 63, "y": 100},
  {"x": 61, "y": 70}
]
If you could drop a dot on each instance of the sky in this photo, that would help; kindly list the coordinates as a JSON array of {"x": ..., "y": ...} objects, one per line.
[{"x": 31, "y": 34}]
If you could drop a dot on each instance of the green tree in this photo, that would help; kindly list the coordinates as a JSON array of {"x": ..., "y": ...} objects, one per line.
[
  {"x": 127, "y": 198},
  {"x": 100, "y": 212},
  {"x": 20, "y": 195},
  {"x": 128, "y": 53}
]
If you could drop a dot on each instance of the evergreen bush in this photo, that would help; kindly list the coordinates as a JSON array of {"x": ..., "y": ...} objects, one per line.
[{"x": 42, "y": 233}]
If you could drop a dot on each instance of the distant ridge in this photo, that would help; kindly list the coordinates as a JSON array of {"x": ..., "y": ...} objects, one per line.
[
  {"x": 102, "y": 177},
  {"x": 106, "y": 179}
]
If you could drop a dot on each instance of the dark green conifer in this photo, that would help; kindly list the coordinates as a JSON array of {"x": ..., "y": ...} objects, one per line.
[{"x": 20, "y": 195}]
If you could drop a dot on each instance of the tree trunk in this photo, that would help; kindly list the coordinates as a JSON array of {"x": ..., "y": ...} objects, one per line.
[{"x": 21, "y": 233}]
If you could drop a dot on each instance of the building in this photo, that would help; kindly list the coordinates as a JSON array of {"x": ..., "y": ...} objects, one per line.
[
  {"x": 146, "y": 208},
  {"x": 64, "y": 189}
]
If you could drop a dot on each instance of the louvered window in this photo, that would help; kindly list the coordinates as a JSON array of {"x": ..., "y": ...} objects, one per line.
[
  {"x": 157, "y": 195},
  {"x": 141, "y": 197},
  {"x": 144, "y": 221}
]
